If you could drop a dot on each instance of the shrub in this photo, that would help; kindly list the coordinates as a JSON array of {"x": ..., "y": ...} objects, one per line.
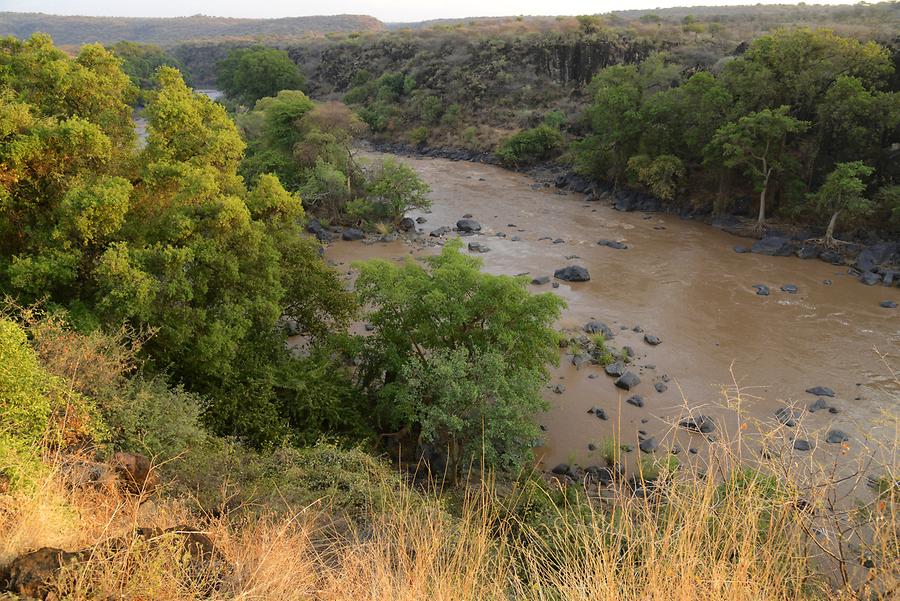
[
  {"x": 418, "y": 135},
  {"x": 530, "y": 145}
]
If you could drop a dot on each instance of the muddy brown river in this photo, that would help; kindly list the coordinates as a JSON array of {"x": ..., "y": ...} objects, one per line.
[{"x": 681, "y": 281}]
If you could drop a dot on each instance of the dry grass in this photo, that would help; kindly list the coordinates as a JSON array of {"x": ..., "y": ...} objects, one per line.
[{"x": 735, "y": 526}]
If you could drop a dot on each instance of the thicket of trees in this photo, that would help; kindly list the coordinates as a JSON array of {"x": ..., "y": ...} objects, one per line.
[
  {"x": 804, "y": 119},
  {"x": 248, "y": 74},
  {"x": 206, "y": 270}
]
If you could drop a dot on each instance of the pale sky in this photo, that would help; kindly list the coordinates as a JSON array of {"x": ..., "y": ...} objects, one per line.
[{"x": 386, "y": 10}]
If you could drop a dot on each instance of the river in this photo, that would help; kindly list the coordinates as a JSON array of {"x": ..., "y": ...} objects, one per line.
[{"x": 682, "y": 282}]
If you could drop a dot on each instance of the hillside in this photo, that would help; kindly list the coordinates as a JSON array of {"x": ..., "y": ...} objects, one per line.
[{"x": 76, "y": 30}]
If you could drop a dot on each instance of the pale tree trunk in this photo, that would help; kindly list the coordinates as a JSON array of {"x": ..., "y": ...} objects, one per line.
[
  {"x": 762, "y": 197},
  {"x": 829, "y": 233}
]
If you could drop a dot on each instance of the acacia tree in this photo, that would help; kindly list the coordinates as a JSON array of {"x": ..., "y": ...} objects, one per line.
[
  {"x": 457, "y": 357},
  {"x": 758, "y": 143},
  {"x": 842, "y": 192}
]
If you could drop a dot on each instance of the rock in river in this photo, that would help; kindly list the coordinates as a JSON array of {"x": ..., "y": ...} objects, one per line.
[
  {"x": 888, "y": 304},
  {"x": 615, "y": 369},
  {"x": 598, "y": 327},
  {"x": 541, "y": 280},
  {"x": 612, "y": 244},
  {"x": 772, "y": 246},
  {"x": 761, "y": 289},
  {"x": 701, "y": 423},
  {"x": 649, "y": 445},
  {"x": 789, "y": 288},
  {"x": 836, "y": 437},
  {"x": 572, "y": 273},
  {"x": 821, "y": 391},
  {"x": 440, "y": 231},
  {"x": 406, "y": 224},
  {"x": 651, "y": 339},
  {"x": 636, "y": 400},
  {"x": 802, "y": 445},
  {"x": 627, "y": 381},
  {"x": 660, "y": 387},
  {"x": 741, "y": 249},
  {"x": 478, "y": 247},
  {"x": 468, "y": 225}
]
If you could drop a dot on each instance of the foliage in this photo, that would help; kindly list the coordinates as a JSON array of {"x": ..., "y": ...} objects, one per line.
[
  {"x": 167, "y": 239},
  {"x": 395, "y": 188},
  {"x": 248, "y": 74},
  {"x": 140, "y": 62},
  {"x": 439, "y": 332},
  {"x": 661, "y": 174},
  {"x": 531, "y": 145},
  {"x": 843, "y": 192}
]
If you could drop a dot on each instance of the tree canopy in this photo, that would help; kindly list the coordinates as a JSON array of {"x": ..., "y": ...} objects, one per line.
[{"x": 248, "y": 74}]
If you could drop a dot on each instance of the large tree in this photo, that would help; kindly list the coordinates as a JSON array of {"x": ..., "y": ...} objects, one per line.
[
  {"x": 248, "y": 74},
  {"x": 757, "y": 143},
  {"x": 843, "y": 192},
  {"x": 457, "y": 357}
]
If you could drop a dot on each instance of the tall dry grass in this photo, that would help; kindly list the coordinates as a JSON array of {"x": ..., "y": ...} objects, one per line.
[{"x": 733, "y": 524}]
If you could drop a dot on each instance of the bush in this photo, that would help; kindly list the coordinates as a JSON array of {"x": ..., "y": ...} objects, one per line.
[
  {"x": 418, "y": 135},
  {"x": 531, "y": 145}
]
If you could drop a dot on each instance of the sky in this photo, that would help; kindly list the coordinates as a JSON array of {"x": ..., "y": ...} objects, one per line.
[{"x": 386, "y": 10}]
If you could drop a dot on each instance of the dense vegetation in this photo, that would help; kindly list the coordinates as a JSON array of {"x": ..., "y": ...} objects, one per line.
[
  {"x": 149, "y": 291},
  {"x": 796, "y": 119},
  {"x": 249, "y": 74},
  {"x": 214, "y": 268}
]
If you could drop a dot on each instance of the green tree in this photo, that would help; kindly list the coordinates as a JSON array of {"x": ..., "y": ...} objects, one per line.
[
  {"x": 757, "y": 143},
  {"x": 452, "y": 347},
  {"x": 248, "y": 74},
  {"x": 396, "y": 188},
  {"x": 660, "y": 174},
  {"x": 141, "y": 61},
  {"x": 843, "y": 192}
]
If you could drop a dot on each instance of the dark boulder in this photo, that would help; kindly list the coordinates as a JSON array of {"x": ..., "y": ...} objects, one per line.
[
  {"x": 789, "y": 288},
  {"x": 875, "y": 255},
  {"x": 407, "y": 224},
  {"x": 541, "y": 280},
  {"x": 700, "y": 423},
  {"x": 772, "y": 246},
  {"x": 786, "y": 416},
  {"x": 33, "y": 575},
  {"x": 478, "y": 247},
  {"x": 802, "y": 445},
  {"x": 572, "y": 273},
  {"x": 820, "y": 391},
  {"x": 648, "y": 445},
  {"x": 870, "y": 278},
  {"x": 627, "y": 381},
  {"x": 888, "y": 304},
  {"x": 818, "y": 405},
  {"x": 315, "y": 227},
  {"x": 598, "y": 327},
  {"x": 421, "y": 220},
  {"x": 761, "y": 289},
  {"x": 836, "y": 437},
  {"x": 438, "y": 232},
  {"x": 561, "y": 469},
  {"x": 351, "y": 234},
  {"x": 636, "y": 400},
  {"x": 831, "y": 256},
  {"x": 468, "y": 225},
  {"x": 809, "y": 251},
  {"x": 615, "y": 369},
  {"x": 612, "y": 244},
  {"x": 651, "y": 339},
  {"x": 660, "y": 387}
]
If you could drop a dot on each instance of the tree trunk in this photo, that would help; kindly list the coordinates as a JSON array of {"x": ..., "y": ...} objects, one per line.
[
  {"x": 829, "y": 233},
  {"x": 762, "y": 199}
]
